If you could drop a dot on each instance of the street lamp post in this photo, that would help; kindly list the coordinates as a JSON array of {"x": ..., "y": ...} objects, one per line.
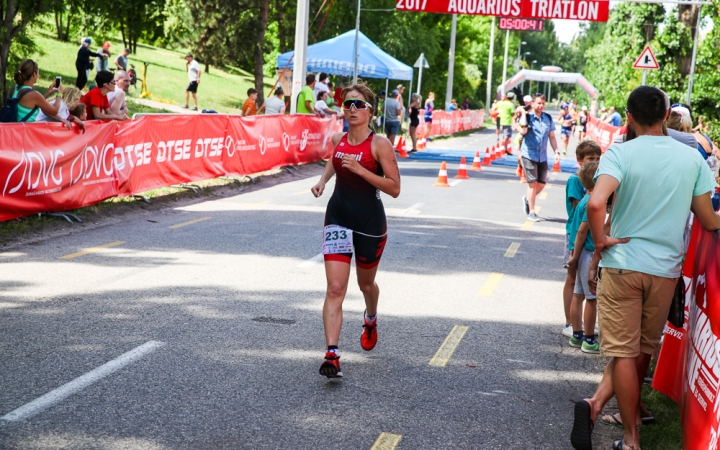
[
  {"x": 523, "y": 58},
  {"x": 532, "y": 64},
  {"x": 520, "y": 48}
]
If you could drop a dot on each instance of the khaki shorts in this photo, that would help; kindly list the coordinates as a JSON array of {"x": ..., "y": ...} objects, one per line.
[{"x": 632, "y": 310}]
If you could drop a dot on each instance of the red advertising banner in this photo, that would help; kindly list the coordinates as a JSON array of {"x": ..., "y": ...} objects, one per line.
[
  {"x": 45, "y": 167},
  {"x": 592, "y": 10},
  {"x": 601, "y": 132},
  {"x": 688, "y": 369},
  {"x": 444, "y": 122}
]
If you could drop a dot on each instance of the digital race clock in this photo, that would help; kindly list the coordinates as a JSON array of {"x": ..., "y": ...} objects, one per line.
[{"x": 512, "y": 23}]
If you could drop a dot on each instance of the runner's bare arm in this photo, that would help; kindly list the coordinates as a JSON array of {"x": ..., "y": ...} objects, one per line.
[
  {"x": 329, "y": 171},
  {"x": 703, "y": 210},
  {"x": 385, "y": 155}
]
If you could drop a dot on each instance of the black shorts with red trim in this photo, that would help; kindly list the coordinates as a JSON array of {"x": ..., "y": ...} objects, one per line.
[{"x": 368, "y": 251}]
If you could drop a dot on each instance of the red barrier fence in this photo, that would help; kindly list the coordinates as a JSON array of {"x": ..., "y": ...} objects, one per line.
[
  {"x": 688, "y": 369},
  {"x": 45, "y": 167},
  {"x": 601, "y": 132}
]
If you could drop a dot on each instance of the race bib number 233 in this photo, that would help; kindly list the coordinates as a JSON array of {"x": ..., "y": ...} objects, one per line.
[{"x": 337, "y": 239}]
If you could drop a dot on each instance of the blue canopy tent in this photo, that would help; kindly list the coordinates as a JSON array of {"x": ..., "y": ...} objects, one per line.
[{"x": 335, "y": 57}]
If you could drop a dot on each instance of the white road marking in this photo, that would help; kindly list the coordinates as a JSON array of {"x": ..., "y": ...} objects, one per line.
[
  {"x": 412, "y": 209},
  {"x": 455, "y": 182},
  {"x": 78, "y": 384},
  {"x": 317, "y": 259}
]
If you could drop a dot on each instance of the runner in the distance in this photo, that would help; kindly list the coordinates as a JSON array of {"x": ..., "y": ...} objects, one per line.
[
  {"x": 566, "y": 120},
  {"x": 365, "y": 164}
]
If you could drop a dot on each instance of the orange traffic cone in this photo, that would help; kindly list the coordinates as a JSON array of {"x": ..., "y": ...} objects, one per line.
[
  {"x": 487, "y": 158},
  {"x": 442, "y": 176},
  {"x": 476, "y": 162},
  {"x": 556, "y": 167},
  {"x": 401, "y": 148},
  {"x": 500, "y": 151},
  {"x": 462, "y": 171},
  {"x": 421, "y": 144}
]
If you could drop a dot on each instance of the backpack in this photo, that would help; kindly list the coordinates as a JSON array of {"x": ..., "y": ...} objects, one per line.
[{"x": 9, "y": 111}]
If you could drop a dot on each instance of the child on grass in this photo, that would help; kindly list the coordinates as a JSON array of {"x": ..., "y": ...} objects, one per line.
[
  {"x": 583, "y": 335},
  {"x": 585, "y": 152}
]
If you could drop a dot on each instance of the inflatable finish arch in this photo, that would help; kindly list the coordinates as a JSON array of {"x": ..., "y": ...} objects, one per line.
[{"x": 552, "y": 77}]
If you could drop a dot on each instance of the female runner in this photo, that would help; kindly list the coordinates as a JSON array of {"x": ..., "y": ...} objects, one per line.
[
  {"x": 414, "y": 120},
  {"x": 565, "y": 119},
  {"x": 365, "y": 164}
]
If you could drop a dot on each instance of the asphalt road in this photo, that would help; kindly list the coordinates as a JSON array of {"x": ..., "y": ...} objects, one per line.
[{"x": 200, "y": 327}]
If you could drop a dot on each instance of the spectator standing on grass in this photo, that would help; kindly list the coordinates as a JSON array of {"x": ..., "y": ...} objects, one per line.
[
  {"x": 614, "y": 118},
  {"x": 192, "y": 68},
  {"x": 116, "y": 97},
  {"x": 466, "y": 104},
  {"x": 121, "y": 61},
  {"x": 249, "y": 108},
  {"x": 306, "y": 98},
  {"x": 537, "y": 129},
  {"x": 102, "y": 63},
  {"x": 96, "y": 101},
  {"x": 656, "y": 181},
  {"x": 393, "y": 112},
  {"x": 452, "y": 106},
  {"x": 275, "y": 105},
  {"x": 83, "y": 64}
]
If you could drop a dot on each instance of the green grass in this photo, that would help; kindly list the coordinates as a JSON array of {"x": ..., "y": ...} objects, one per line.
[
  {"x": 667, "y": 433},
  {"x": 223, "y": 91}
]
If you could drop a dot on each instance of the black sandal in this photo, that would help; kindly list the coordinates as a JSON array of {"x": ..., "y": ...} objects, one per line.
[{"x": 581, "y": 436}]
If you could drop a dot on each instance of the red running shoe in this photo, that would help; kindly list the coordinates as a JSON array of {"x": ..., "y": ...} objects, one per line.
[
  {"x": 369, "y": 337},
  {"x": 331, "y": 366}
]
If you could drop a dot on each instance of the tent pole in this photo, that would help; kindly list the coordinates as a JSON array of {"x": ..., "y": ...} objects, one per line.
[
  {"x": 387, "y": 96},
  {"x": 357, "y": 35},
  {"x": 489, "y": 69},
  {"x": 410, "y": 92},
  {"x": 300, "y": 55},
  {"x": 451, "y": 62}
]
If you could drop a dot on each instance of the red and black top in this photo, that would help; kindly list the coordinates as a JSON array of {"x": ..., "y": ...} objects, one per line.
[{"x": 355, "y": 204}]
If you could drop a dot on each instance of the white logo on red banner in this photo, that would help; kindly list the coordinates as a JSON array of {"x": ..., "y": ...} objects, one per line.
[
  {"x": 262, "y": 144},
  {"x": 286, "y": 142}
]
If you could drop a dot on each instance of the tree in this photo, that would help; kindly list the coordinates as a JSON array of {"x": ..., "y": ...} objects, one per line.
[{"x": 16, "y": 16}]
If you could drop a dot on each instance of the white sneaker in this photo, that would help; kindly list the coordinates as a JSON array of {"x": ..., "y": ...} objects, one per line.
[
  {"x": 533, "y": 218},
  {"x": 567, "y": 330}
]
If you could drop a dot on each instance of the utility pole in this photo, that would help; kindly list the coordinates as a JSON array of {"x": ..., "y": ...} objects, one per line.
[
  {"x": 694, "y": 55},
  {"x": 505, "y": 59},
  {"x": 302, "y": 18},
  {"x": 490, "y": 66},
  {"x": 451, "y": 62}
]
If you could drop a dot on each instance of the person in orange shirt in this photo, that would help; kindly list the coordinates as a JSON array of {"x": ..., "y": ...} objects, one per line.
[{"x": 249, "y": 107}]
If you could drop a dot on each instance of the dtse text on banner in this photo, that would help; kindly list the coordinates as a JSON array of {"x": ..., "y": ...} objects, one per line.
[{"x": 592, "y": 10}]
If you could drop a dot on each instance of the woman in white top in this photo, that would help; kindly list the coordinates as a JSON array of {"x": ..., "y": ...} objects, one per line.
[{"x": 321, "y": 107}]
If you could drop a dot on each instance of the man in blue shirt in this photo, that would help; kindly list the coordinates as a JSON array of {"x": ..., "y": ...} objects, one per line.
[
  {"x": 614, "y": 119},
  {"x": 656, "y": 181},
  {"x": 536, "y": 128}
]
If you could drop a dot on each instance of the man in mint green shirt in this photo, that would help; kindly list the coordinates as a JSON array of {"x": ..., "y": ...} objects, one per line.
[
  {"x": 656, "y": 182},
  {"x": 506, "y": 109},
  {"x": 306, "y": 98}
]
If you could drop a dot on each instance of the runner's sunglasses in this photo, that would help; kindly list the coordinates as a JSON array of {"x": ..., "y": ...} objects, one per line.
[{"x": 357, "y": 103}]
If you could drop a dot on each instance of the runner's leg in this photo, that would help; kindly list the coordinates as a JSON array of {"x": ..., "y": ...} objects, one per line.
[
  {"x": 338, "y": 275},
  {"x": 413, "y": 136},
  {"x": 369, "y": 288}
]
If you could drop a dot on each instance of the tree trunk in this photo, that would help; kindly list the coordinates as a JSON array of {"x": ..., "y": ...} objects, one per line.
[
  {"x": 8, "y": 20},
  {"x": 59, "y": 25},
  {"x": 207, "y": 68},
  {"x": 687, "y": 14},
  {"x": 66, "y": 37},
  {"x": 281, "y": 26},
  {"x": 259, "y": 53}
]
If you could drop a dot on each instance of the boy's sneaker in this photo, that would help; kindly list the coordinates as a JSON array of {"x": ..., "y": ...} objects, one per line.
[
  {"x": 593, "y": 347},
  {"x": 369, "y": 337},
  {"x": 575, "y": 342},
  {"x": 185, "y": 106},
  {"x": 567, "y": 330},
  {"x": 526, "y": 206},
  {"x": 532, "y": 217},
  {"x": 331, "y": 366},
  {"x": 195, "y": 108}
]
